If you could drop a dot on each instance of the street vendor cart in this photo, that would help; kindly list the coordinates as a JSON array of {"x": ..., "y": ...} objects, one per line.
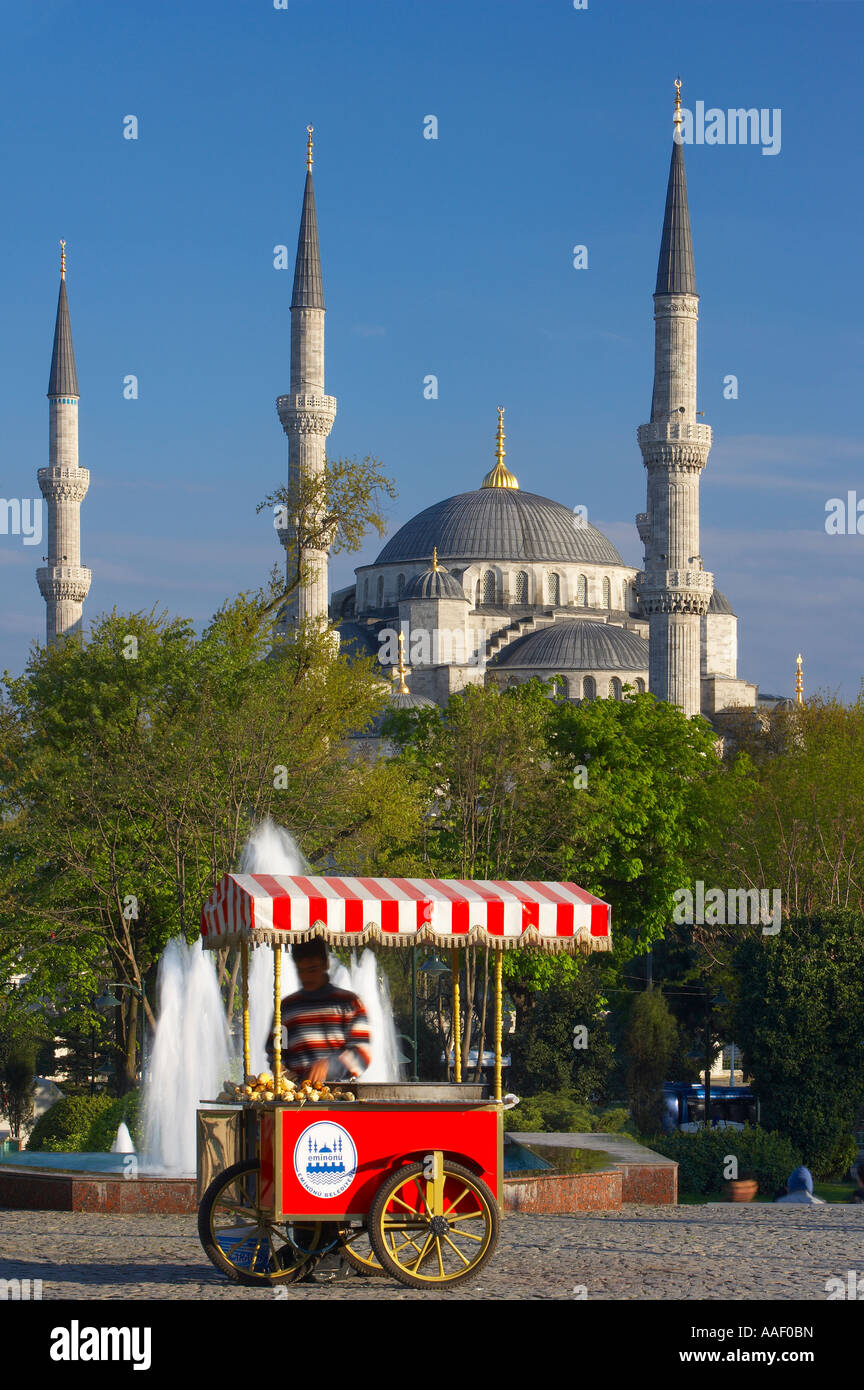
[{"x": 402, "y": 1179}]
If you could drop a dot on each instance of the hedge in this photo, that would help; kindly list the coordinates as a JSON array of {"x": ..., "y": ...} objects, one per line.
[
  {"x": 702, "y": 1157},
  {"x": 65, "y": 1125}
]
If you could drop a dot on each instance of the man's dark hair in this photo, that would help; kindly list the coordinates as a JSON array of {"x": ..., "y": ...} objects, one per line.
[{"x": 306, "y": 950}]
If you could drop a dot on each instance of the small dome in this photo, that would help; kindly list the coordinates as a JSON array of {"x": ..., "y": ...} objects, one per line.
[
  {"x": 405, "y": 700},
  {"x": 436, "y": 582},
  {"x": 578, "y": 646},
  {"x": 720, "y": 603}
]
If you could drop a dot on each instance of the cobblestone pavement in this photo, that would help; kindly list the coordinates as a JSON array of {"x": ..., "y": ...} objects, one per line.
[{"x": 715, "y": 1252}]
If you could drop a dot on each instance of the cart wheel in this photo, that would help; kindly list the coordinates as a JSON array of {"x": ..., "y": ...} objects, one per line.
[
  {"x": 242, "y": 1240},
  {"x": 358, "y": 1251},
  {"x": 421, "y": 1246}
]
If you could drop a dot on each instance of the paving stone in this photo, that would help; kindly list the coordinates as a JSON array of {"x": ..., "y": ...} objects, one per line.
[{"x": 676, "y": 1253}]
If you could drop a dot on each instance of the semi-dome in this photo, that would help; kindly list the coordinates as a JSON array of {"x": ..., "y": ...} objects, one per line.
[
  {"x": 499, "y": 524},
  {"x": 720, "y": 603},
  {"x": 573, "y": 645}
]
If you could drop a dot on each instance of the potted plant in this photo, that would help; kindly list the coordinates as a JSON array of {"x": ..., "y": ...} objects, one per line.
[{"x": 743, "y": 1188}]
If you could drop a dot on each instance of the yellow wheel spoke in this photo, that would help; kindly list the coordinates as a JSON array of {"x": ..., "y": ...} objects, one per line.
[
  {"x": 423, "y": 1198},
  {"x": 397, "y": 1248},
  {"x": 462, "y": 1257},
  {"x": 467, "y": 1216},
  {"x": 440, "y": 1260},
  {"x": 406, "y": 1205},
  {"x": 465, "y": 1189},
  {"x": 469, "y": 1235},
  {"x": 421, "y": 1257}
]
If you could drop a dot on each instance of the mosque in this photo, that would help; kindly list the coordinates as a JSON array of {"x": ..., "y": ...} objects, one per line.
[{"x": 496, "y": 584}]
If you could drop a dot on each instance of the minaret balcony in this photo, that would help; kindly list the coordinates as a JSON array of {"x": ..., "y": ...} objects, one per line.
[
  {"x": 63, "y": 484},
  {"x": 70, "y": 582},
  {"x": 307, "y": 414},
  {"x": 672, "y": 430},
  {"x": 674, "y": 591}
]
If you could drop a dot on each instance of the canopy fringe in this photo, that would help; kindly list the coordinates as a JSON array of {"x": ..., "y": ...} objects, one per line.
[{"x": 553, "y": 945}]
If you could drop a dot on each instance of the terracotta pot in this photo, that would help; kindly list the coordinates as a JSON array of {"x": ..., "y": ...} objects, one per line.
[{"x": 742, "y": 1189}]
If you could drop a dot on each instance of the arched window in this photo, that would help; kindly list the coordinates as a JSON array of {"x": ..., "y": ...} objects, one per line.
[
  {"x": 582, "y": 591},
  {"x": 607, "y": 594},
  {"x": 520, "y": 588},
  {"x": 489, "y": 586},
  {"x": 615, "y": 687},
  {"x": 553, "y": 588},
  {"x": 365, "y": 591},
  {"x": 380, "y": 591},
  {"x": 640, "y": 685},
  {"x": 589, "y": 688},
  {"x": 400, "y": 585}
]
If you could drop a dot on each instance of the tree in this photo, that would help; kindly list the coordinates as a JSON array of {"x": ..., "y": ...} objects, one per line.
[
  {"x": 328, "y": 511},
  {"x": 798, "y": 1018},
  {"x": 650, "y": 1042},
  {"x": 140, "y": 761},
  {"x": 563, "y": 1044}
]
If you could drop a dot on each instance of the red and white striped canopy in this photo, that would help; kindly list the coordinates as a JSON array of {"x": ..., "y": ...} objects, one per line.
[{"x": 404, "y": 911}]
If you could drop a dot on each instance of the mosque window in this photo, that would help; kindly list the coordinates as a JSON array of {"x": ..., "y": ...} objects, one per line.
[
  {"x": 589, "y": 688},
  {"x": 400, "y": 585},
  {"x": 380, "y": 591},
  {"x": 615, "y": 686},
  {"x": 489, "y": 586},
  {"x": 553, "y": 588},
  {"x": 607, "y": 594},
  {"x": 582, "y": 591},
  {"x": 520, "y": 588},
  {"x": 640, "y": 685}
]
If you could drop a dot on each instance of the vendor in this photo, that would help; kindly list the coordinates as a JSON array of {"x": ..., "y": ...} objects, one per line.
[{"x": 325, "y": 1031}]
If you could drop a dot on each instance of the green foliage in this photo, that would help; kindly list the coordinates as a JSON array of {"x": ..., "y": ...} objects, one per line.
[
  {"x": 651, "y": 1039},
  {"x": 701, "y": 1157},
  {"x": 543, "y": 1057},
  {"x": 103, "y": 1130},
  {"x": 836, "y": 1161},
  {"x": 799, "y": 1021},
  {"x": 65, "y": 1125},
  {"x": 17, "y": 1072},
  {"x": 561, "y": 1112}
]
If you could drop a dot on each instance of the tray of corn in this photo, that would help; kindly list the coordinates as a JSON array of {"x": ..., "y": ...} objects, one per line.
[{"x": 262, "y": 1089}]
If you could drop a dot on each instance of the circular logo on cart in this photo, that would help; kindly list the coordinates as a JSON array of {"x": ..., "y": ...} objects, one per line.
[{"x": 325, "y": 1159}]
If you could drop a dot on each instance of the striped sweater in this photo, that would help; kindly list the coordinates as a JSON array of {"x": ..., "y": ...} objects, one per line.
[{"x": 326, "y": 1022}]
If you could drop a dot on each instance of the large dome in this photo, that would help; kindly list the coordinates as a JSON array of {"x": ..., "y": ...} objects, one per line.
[
  {"x": 497, "y": 523},
  {"x": 578, "y": 646}
]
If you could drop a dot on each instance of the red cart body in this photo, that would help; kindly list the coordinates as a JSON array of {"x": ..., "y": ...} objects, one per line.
[{"x": 327, "y": 1162}]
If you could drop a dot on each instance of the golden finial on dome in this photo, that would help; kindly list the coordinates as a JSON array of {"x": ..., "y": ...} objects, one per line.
[
  {"x": 309, "y": 130},
  {"x": 401, "y": 670},
  {"x": 435, "y": 565},
  {"x": 677, "y": 118},
  {"x": 500, "y": 475},
  {"x": 799, "y": 681},
  {"x": 62, "y": 260}
]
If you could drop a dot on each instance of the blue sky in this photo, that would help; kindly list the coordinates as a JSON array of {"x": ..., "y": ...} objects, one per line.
[{"x": 450, "y": 257}]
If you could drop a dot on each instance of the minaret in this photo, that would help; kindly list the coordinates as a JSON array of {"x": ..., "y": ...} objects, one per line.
[
  {"x": 674, "y": 591},
  {"x": 63, "y": 582},
  {"x": 307, "y": 414}
]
